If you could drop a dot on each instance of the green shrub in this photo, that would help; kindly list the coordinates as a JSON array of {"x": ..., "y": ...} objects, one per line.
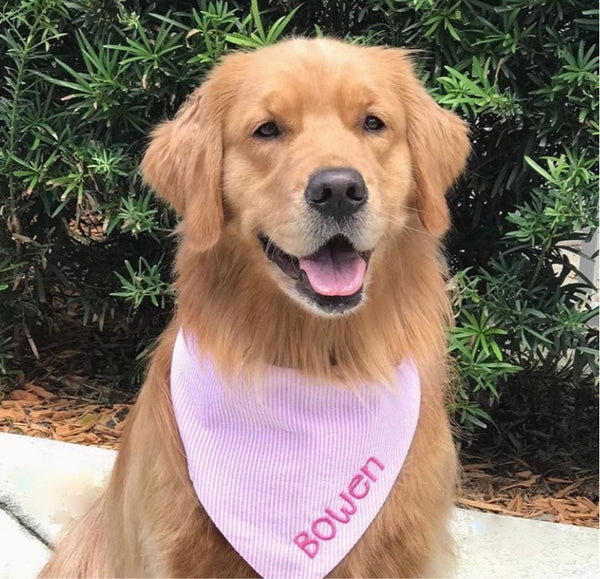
[{"x": 82, "y": 239}]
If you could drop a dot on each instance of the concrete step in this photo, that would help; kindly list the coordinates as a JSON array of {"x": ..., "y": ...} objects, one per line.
[{"x": 44, "y": 483}]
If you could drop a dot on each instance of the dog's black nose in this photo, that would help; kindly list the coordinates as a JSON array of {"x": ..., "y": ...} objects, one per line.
[{"x": 336, "y": 193}]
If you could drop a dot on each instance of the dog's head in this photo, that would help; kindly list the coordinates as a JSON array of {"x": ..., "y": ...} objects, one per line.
[{"x": 311, "y": 155}]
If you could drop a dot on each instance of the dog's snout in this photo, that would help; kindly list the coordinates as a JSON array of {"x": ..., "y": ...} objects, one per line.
[{"x": 336, "y": 193}]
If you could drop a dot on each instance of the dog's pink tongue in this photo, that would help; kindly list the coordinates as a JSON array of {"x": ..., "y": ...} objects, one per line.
[{"x": 335, "y": 271}]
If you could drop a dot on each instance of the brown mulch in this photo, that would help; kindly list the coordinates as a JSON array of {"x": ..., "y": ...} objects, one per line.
[
  {"x": 508, "y": 485},
  {"x": 520, "y": 492},
  {"x": 37, "y": 412}
]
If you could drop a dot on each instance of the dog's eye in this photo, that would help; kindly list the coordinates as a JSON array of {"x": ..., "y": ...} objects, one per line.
[
  {"x": 373, "y": 123},
  {"x": 267, "y": 131}
]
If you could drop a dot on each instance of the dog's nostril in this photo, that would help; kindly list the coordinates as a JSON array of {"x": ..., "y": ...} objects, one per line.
[
  {"x": 352, "y": 193},
  {"x": 321, "y": 195}
]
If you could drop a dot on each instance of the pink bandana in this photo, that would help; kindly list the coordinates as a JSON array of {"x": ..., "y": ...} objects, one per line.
[{"x": 293, "y": 473}]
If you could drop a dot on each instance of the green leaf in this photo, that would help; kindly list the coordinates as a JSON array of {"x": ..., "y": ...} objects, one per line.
[
  {"x": 257, "y": 19},
  {"x": 539, "y": 169}
]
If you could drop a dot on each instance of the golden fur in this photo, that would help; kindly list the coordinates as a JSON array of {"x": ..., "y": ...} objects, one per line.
[{"x": 228, "y": 187}]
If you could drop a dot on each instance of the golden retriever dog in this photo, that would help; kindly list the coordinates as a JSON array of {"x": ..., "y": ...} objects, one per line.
[{"x": 311, "y": 178}]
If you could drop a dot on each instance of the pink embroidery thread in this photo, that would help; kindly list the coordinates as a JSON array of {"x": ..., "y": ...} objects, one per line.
[{"x": 303, "y": 539}]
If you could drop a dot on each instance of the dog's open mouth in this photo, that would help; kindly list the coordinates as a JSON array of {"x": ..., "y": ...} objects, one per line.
[{"x": 333, "y": 276}]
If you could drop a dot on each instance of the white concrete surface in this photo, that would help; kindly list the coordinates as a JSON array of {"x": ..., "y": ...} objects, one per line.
[
  {"x": 50, "y": 481},
  {"x": 44, "y": 483},
  {"x": 20, "y": 554},
  {"x": 500, "y": 546}
]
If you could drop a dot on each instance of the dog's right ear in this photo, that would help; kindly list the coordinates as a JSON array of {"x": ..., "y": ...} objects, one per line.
[{"x": 183, "y": 165}]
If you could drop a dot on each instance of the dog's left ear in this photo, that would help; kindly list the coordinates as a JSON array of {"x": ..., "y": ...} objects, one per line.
[{"x": 439, "y": 146}]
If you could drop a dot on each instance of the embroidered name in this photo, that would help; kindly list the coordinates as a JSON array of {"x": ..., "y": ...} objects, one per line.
[{"x": 324, "y": 528}]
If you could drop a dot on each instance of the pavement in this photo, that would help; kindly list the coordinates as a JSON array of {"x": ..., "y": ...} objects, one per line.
[{"x": 44, "y": 483}]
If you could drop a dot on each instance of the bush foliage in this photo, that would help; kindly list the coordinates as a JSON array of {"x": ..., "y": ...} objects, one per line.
[{"x": 85, "y": 248}]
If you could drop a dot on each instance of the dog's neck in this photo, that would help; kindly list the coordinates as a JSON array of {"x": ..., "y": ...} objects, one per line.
[{"x": 246, "y": 322}]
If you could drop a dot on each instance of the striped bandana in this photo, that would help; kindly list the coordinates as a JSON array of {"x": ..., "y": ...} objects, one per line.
[{"x": 294, "y": 472}]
